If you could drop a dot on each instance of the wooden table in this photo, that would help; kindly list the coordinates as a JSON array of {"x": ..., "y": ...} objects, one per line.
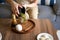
[{"x": 41, "y": 26}]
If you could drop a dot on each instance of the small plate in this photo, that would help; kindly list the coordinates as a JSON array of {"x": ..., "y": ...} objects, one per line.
[{"x": 44, "y": 36}]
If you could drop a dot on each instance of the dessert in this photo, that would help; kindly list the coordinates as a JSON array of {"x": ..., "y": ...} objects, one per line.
[{"x": 19, "y": 27}]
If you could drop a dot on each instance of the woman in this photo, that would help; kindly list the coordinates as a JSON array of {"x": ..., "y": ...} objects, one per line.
[{"x": 30, "y": 5}]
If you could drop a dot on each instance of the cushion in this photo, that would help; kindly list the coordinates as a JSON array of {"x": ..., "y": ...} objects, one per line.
[
  {"x": 5, "y": 11},
  {"x": 47, "y": 2},
  {"x": 46, "y": 12},
  {"x": 2, "y": 1}
]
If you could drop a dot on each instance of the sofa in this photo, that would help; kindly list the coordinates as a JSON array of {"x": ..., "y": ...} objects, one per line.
[{"x": 45, "y": 11}]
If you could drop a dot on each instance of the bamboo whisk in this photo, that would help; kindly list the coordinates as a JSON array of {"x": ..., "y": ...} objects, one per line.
[{"x": 14, "y": 20}]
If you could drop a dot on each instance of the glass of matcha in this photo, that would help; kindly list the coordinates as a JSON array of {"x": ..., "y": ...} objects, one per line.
[{"x": 22, "y": 16}]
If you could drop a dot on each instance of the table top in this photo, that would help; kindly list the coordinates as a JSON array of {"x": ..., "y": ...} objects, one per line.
[{"x": 41, "y": 26}]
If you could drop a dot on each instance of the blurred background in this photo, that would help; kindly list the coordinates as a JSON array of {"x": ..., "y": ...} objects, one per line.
[{"x": 47, "y": 10}]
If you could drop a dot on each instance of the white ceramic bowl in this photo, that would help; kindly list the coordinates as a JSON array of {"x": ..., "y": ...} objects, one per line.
[{"x": 46, "y": 35}]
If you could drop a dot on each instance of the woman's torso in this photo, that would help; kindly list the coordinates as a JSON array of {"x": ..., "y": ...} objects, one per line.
[{"x": 24, "y": 1}]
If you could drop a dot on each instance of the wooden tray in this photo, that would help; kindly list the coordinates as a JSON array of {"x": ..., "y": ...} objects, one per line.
[{"x": 27, "y": 27}]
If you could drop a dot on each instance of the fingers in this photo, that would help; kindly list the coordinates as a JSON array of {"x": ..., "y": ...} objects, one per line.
[
  {"x": 15, "y": 11},
  {"x": 20, "y": 6}
]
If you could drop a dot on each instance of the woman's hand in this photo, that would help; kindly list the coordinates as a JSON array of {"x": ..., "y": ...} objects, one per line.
[{"x": 14, "y": 7}]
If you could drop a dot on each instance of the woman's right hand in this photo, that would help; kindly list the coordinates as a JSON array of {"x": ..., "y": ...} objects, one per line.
[{"x": 14, "y": 7}]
